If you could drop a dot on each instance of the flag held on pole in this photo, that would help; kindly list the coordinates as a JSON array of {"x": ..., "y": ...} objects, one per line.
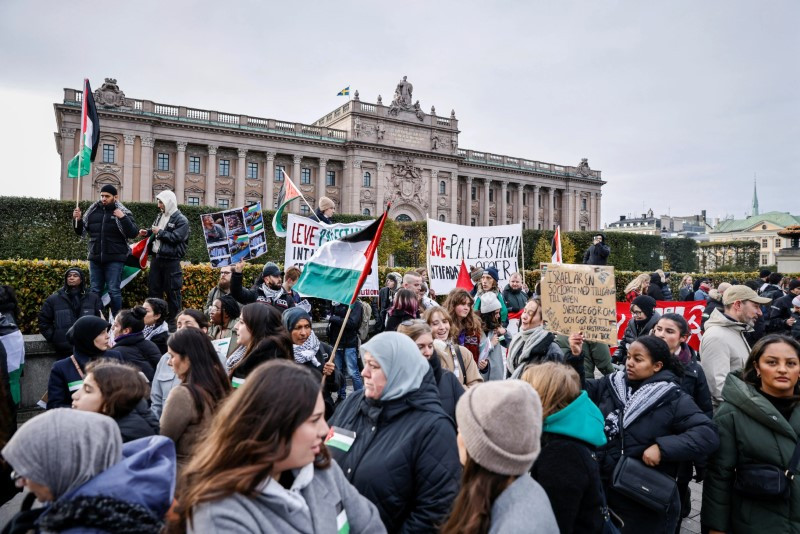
[
  {"x": 287, "y": 193},
  {"x": 90, "y": 136},
  {"x": 555, "y": 246}
]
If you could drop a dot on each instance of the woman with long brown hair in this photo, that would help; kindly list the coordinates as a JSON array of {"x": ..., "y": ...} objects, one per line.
[
  {"x": 264, "y": 466},
  {"x": 466, "y": 323},
  {"x": 455, "y": 358},
  {"x": 262, "y": 337}
]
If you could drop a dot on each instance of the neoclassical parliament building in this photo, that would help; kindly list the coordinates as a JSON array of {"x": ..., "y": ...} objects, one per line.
[{"x": 360, "y": 155}]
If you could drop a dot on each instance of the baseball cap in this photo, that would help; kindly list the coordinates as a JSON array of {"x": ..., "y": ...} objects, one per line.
[{"x": 740, "y": 292}]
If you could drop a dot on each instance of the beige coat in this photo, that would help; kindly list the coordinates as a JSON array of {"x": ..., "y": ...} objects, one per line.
[
  {"x": 448, "y": 359},
  {"x": 723, "y": 349},
  {"x": 181, "y": 422}
]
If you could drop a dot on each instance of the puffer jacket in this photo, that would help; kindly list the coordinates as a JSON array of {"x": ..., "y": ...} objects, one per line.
[
  {"x": 60, "y": 312},
  {"x": 350, "y": 335},
  {"x": 515, "y": 299},
  {"x": 64, "y": 378},
  {"x": 404, "y": 458},
  {"x": 723, "y": 349},
  {"x": 108, "y": 236},
  {"x": 694, "y": 381},
  {"x": 141, "y": 352},
  {"x": 751, "y": 431},
  {"x": 450, "y": 389},
  {"x": 632, "y": 332},
  {"x": 138, "y": 423},
  {"x": 174, "y": 238}
]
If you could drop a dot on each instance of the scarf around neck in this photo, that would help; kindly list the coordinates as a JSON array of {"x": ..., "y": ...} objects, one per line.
[
  {"x": 307, "y": 352},
  {"x": 636, "y": 403},
  {"x": 522, "y": 344},
  {"x": 153, "y": 330}
]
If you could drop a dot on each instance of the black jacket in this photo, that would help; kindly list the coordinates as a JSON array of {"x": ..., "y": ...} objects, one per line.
[
  {"x": 771, "y": 291},
  {"x": 632, "y": 332},
  {"x": 385, "y": 301},
  {"x": 654, "y": 290},
  {"x": 246, "y": 296},
  {"x": 138, "y": 423},
  {"x": 393, "y": 321},
  {"x": 450, "y": 388},
  {"x": 62, "y": 309},
  {"x": 350, "y": 336},
  {"x": 597, "y": 254},
  {"x": 64, "y": 378},
  {"x": 174, "y": 238},
  {"x": 108, "y": 236},
  {"x": 141, "y": 352},
  {"x": 695, "y": 384},
  {"x": 404, "y": 458},
  {"x": 780, "y": 311},
  {"x": 321, "y": 217},
  {"x": 161, "y": 341},
  {"x": 515, "y": 299},
  {"x": 332, "y": 382}
]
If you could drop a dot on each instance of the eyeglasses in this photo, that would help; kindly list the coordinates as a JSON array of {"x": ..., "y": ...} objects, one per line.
[
  {"x": 212, "y": 308},
  {"x": 637, "y": 312}
]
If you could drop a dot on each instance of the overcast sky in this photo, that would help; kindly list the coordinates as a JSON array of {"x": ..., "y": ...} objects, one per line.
[{"x": 679, "y": 103}]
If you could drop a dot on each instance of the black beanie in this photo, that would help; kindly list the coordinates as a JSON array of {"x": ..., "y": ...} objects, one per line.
[
  {"x": 108, "y": 188},
  {"x": 645, "y": 303},
  {"x": 84, "y": 331}
]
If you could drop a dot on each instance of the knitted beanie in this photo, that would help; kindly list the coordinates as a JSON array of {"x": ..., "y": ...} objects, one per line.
[
  {"x": 501, "y": 425},
  {"x": 325, "y": 204},
  {"x": 489, "y": 302},
  {"x": 475, "y": 274},
  {"x": 492, "y": 271}
]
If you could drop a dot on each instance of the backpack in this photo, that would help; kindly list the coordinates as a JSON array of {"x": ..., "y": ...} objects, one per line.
[{"x": 366, "y": 315}]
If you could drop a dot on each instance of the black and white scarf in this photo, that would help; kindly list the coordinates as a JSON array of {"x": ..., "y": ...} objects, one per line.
[
  {"x": 635, "y": 403},
  {"x": 307, "y": 352},
  {"x": 117, "y": 205},
  {"x": 153, "y": 330},
  {"x": 269, "y": 294},
  {"x": 235, "y": 357}
]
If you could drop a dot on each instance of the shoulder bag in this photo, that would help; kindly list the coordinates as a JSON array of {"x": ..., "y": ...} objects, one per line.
[{"x": 766, "y": 481}]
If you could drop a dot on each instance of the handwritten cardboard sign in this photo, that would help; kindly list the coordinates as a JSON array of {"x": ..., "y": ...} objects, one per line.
[{"x": 580, "y": 298}]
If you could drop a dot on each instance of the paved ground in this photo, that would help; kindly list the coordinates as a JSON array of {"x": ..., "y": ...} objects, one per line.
[{"x": 692, "y": 523}]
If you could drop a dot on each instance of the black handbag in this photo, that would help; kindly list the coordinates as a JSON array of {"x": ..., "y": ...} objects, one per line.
[
  {"x": 765, "y": 481},
  {"x": 643, "y": 484}
]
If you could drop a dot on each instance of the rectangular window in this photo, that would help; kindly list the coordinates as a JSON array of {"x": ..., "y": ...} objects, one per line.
[
  {"x": 491, "y": 222},
  {"x": 194, "y": 164},
  {"x": 305, "y": 176},
  {"x": 508, "y": 197},
  {"x": 491, "y": 196},
  {"x": 108, "y": 153},
  {"x": 223, "y": 203},
  {"x": 163, "y": 162},
  {"x": 330, "y": 178},
  {"x": 279, "y": 173},
  {"x": 524, "y": 199},
  {"x": 474, "y": 194},
  {"x": 252, "y": 170},
  {"x": 778, "y": 243},
  {"x": 583, "y": 228},
  {"x": 764, "y": 259},
  {"x": 194, "y": 201},
  {"x": 366, "y": 180},
  {"x": 583, "y": 204},
  {"x": 224, "y": 167},
  {"x": 764, "y": 243},
  {"x": 304, "y": 210},
  {"x": 472, "y": 220}
]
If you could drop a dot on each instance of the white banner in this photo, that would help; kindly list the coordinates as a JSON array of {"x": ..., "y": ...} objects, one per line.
[
  {"x": 478, "y": 246},
  {"x": 304, "y": 236}
]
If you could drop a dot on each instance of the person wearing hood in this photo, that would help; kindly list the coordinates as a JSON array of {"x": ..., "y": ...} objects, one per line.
[
  {"x": 325, "y": 210},
  {"x": 655, "y": 288},
  {"x": 488, "y": 284},
  {"x": 129, "y": 340},
  {"x": 759, "y": 424},
  {"x": 566, "y": 467},
  {"x": 598, "y": 251},
  {"x": 645, "y": 407},
  {"x": 269, "y": 291},
  {"x": 643, "y": 318},
  {"x": 310, "y": 352},
  {"x": 126, "y": 488},
  {"x": 386, "y": 298},
  {"x": 404, "y": 454},
  {"x": 490, "y": 361},
  {"x": 61, "y": 309},
  {"x": 724, "y": 347},
  {"x": 499, "y": 430},
  {"x": 109, "y": 225},
  {"x": 170, "y": 237},
  {"x": 515, "y": 294},
  {"x": 714, "y": 303},
  {"x": 90, "y": 342}
]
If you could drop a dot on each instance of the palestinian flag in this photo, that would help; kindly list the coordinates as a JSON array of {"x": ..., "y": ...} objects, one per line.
[
  {"x": 137, "y": 260},
  {"x": 81, "y": 164},
  {"x": 287, "y": 193},
  {"x": 338, "y": 269},
  {"x": 555, "y": 246}
]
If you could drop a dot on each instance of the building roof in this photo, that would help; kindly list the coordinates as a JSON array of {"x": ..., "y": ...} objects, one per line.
[{"x": 778, "y": 218}]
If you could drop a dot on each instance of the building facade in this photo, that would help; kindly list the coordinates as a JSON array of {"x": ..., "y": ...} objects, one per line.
[
  {"x": 360, "y": 155},
  {"x": 665, "y": 225},
  {"x": 762, "y": 228}
]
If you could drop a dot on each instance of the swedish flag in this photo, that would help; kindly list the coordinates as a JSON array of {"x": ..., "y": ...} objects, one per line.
[{"x": 344, "y": 92}]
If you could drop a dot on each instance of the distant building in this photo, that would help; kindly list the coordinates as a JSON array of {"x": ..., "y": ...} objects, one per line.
[
  {"x": 647, "y": 224},
  {"x": 664, "y": 225}
]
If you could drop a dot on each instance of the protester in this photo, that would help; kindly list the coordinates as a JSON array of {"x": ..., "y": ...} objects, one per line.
[
  {"x": 264, "y": 467},
  {"x": 488, "y": 284},
  {"x": 598, "y": 251},
  {"x": 515, "y": 294},
  {"x": 796, "y": 317},
  {"x": 170, "y": 237},
  {"x": 763, "y": 276},
  {"x": 566, "y": 467},
  {"x": 659, "y": 423},
  {"x": 714, "y": 302},
  {"x": 75, "y": 463},
  {"x": 8, "y": 425},
  {"x": 191, "y": 405},
  {"x": 156, "y": 328},
  {"x": 406, "y": 461},
  {"x": 643, "y": 318},
  {"x": 165, "y": 378},
  {"x": 475, "y": 274},
  {"x": 310, "y": 352},
  {"x": 758, "y": 427},
  {"x": 224, "y": 315},
  {"x": 654, "y": 289},
  {"x": 347, "y": 352},
  {"x": 130, "y": 341},
  {"x": 496, "y": 335},
  {"x": 500, "y": 425},
  {"x": 637, "y": 287},
  {"x": 780, "y": 316},
  {"x": 772, "y": 289},
  {"x": 289, "y": 280},
  {"x": 759, "y": 329},
  {"x": 119, "y": 391},
  {"x": 702, "y": 291},
  {"x": 109, "y": 225},
  {"x": 223, "y": 287},
  {"x": 723, "y": 348},
  {"x": 325, "y": 210},
  {"x": 90, "y": 342},
  {"x": 404, "y": 308},
  {"x": 261, "y": 337},
  {"x": 269, "y": 290},
  {"x": 450, "y": 389},
  {"x": 386, "y": 298},
  {"x": 12, "y": 361},
  {"x": 665, "y": 289},
  {"x": 62, "y": 309},
  {"x": 686, "y": 291},
  {"x": 467, "y": 324},
  {"x": 455, "y": 358}
]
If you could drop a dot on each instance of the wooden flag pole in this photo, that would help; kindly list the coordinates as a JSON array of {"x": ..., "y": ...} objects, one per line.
[
  {"x": 338, "y": 338},
  {"x": 522, "y": 244}
]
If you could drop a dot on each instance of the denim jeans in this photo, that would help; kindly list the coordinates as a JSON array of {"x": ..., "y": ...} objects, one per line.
[
  {"x": 108, "y": 273},
  {"x": 351, "y": 357}
]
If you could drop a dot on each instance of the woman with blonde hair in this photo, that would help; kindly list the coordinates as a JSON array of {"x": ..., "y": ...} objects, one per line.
[
  {"x": 566, "y": 467},
  {"x": 637, "y": 287},
  {"x": 455, "y": 358}
]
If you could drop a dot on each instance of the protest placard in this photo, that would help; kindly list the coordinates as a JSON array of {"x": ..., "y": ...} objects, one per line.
[
  {"x": 478, "y": 246},
  {"x": 304, "y": 236},
  {"x": 580, "y": 298},
  {"x": 234, "y": 235}
]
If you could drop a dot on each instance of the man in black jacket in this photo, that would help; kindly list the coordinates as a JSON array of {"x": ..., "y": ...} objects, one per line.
[
  {"x": 170, "y": 237},
  {"x": 64, "y": 307},
  {"x": 598, "y": 251},
  {"x": 268, "y": 291},
  {"x": 780, "y": 316},
  {"x": 347, "y": 351},
  {"x": 109, "y": 225}
]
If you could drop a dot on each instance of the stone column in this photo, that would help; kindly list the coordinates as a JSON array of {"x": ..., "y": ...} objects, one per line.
[
  {"x": 240, "y": 175},
  {"x": 518, "y": 214},
  {"x": 466, "y": 210},
  {"x": 379, "y": 188},
  {"x": 350, "y": 187},
  {"x": 211, "y": 176},
  {"x": 566, "y": 210},
  {"x": 598, "y": 224},
  {"x": 485, "y": 204},
  {"x": 434, "y": 195},
  {"x": 502, "y": 213},
  {"x": 180, "y": 173},
  {"x": 146, "y": 177},
  {"x": 576, "y": 210},
  {"x": 295, "y": 207},
  {"x": 535, "y": 208},
  {"x": 454, "y": 198},
  {"x": 67, "y": 153},
  {"x": 127, "y": 168},
  {"x": 551, "y": 209},
  {"x": 322, "y": 176},
  {"x": 269, "y": 182}
]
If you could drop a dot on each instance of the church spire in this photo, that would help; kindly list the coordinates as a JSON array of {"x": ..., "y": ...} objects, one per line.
[{"x": 755, "y": 198}]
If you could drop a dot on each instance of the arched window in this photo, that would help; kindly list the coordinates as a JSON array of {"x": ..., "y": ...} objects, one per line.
[
  {"x": 366, "y": 212},
  {"x": 441, "y": 218},
  {"x": 442, "y": 188},
  {"x": 403, "y": 218},
  {"x": 367, "y": 180}
]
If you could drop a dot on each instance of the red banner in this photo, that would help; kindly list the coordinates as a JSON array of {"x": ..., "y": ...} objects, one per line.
[{"x": 692, "y": 311}]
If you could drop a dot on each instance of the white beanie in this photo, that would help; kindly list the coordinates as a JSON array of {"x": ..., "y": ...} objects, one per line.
[{"x": 489, "y": 302}]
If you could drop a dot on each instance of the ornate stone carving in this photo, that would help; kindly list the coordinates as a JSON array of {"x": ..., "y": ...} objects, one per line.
[
  {"x": 433, "y": 110},
  {"x": 380, "y": 100},
  {"x": 380, "y": 130},
  {"x": 271, "y": 156},
  {"x": 107, "y": 168},
  {"x": 442, "y": 202},
  {"x": 452, "y": 114},
  {"x": 434, "y": 174},
  {"x": 306, "y": 189},
  {"x": 297, "y": 159},
  {"x": 68, "y": 132},
  {"x": 356, "y": 163},
  {"x": 381, "y": 166},
  {"x": 366, "y": 194},
  {"x": 196, "y": 178},
  {"x": 148, "y": 142},
  {"x": 405, "y": 185},
  {"x": 355, "y": 96},
  {"x": 252, "y": 183},
  {"x": 418, "y": 111},
  {"x": 475, "y": 210},
  {"x": 357, "y": 130},
  {"x": 330, "y": 191},
  {"x": 180, "y": 144},
  {"x": 454, "y": 142},
  {"x": 323, "y": 162},
  {"x": 434, "y": 141},
  {"x": 242, "y": 153},
  {"x": 162, "y": 175},
  {"x": 583, "y": 168},
  {"x": 212, "y": 150},
  {"x": 492, "y": 211},
  {"x": 225, "y": 181},
  {"x": 402, "y": 97},
  {"x": 109, "y": 94}
]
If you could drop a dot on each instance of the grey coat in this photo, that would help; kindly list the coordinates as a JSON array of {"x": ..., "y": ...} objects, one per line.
[
  {"x": 327, "y": 493},
  {"x": 523, "y": 507}
]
